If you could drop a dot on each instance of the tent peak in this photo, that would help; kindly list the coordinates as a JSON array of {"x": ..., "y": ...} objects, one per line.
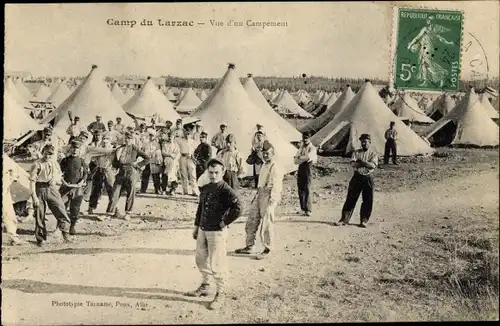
[
  {"x": 94, "y": 66},
  {"x": 231, "y": 66},
  {"x": 249, "y": 75},
  {"x": 149, "y": 77}
]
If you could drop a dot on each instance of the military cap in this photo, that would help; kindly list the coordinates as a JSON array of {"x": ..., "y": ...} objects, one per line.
[
  {"x": 76, "y": 118},
  {"x": 203, "y": 134},
  {"x": 49, "y": 148},
  {"x": 76, "y": 144},
  {"x": 365, "y": 136},
  {"x": 267, "y": 145},
  {"x": 98, "y": 116},
  {"x": 223, "y": 124},
  {"x": 217, "y": 161},
  {"x": 128, "y": 134},
  {"x": 84, "y": 133},
  {"x": 259, "y": 132},
  {"x": 306, "y": 135},
  {"x": 110, "y": 122},
  {"x": 259, "y": 125},
  {"x": 178, "y": 120},
  {"x": 47, "y": 130}
]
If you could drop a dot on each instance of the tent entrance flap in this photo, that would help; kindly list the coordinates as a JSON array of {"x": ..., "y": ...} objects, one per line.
[
  {"x": 445, "y": 135},
  {"x": 338, "y": 139}
]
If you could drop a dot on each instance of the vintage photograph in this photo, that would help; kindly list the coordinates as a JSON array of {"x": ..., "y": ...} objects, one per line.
[{"x": 215, "y": 163}]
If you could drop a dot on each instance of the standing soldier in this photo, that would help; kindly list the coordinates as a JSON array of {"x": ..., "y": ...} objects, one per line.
[
  {"x": 305, "y": 158},
  {"x": 96, "y": 125},
  {"x": 150, "y": 147},
  {"x": 257, "y": 145},
  {"x": 168, "y": 127},
  {"x": 260, "y": 129},
  {"x": 219, "y": 207},
  {"x": 48, "y": 138},
  {"x": 74, "y": 129},
  {"x": 264, "y": 204},
  {"x": 44, "y": 175},
  {"x": 364, "y": 161},
  {"x": 119, "y": 126},
  {"x": 74, "y": 174},
  {"x": 112, "y": 133},
  {"x": 202, "y": 154},
  {"x": 390, "y": 144},
  {"x": 178, "y": 131},
  {"x": 8, "y": 213},
  {"x": 125, "y": 161},
  {"x": 102, "y": 175},
  {"x": 197, "y": 132},
  {"x": 219, "y": 140},
  {"x": 171, "y": 153},
  {"x": 187, "y": 164},
  {"x": 233, "y": 162}
]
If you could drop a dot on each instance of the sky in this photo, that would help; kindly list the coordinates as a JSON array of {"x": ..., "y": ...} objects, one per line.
[{"x": 329, "y": 39}]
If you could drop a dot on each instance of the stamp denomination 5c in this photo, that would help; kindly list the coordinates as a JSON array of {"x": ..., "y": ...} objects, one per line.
[{"x": 428, "y": 49}]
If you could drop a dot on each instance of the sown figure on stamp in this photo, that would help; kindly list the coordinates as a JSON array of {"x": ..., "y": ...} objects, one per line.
[{"x": 428, "y": 38}]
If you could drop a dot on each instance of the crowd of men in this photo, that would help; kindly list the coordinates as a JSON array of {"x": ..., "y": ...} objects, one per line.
[{"x": 113, "y": 158}]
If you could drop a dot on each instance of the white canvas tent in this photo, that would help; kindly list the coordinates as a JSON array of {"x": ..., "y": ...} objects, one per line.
[
  {"x": 203, "y": 95},
  {"x": 189, "y": 102},
  {"x": 230, "y": 103},
  {"x": 59, "y": 95},
  {"x": 488, "y": 107},
  {"x": 318, "y": 123},
  {"x": 91, "y": 98},
  {"x": 16, "y": 120},
  {"x": 367, "y": 113},
  {"x": 149, "y": 102},
  {"x": 23, "y": 91},
  {"x": 43, "y": 94},
  {"x": 287, "y": 105},
  {"x": 10, "y": 87},
  {"x": 170, "y": 96},
  {"x": 441, "y": 106},
  {"x": 467, "y": 125},
  {"x": 19, "y": 190},
  {"x": 406, "y": 108},
  {"x": 118, "y": 94}
]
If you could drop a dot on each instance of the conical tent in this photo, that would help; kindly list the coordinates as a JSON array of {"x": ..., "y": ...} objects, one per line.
[
  {"x": 367, "y": 113},
  {"x": 128, "y": 94},
  {"x": 406, "y": 108},
  {"x": 149, "y": 102},
  {"x": 203, "y": 95},
  {"x": 20, "y": 190},
  {"x": 324, "y": 98},
  {"x": 118, "y": 94},
  {"x": 91, "y": 98},
  {"x": 170, "y": 96},
  {"x": 14, "y": 93},
  {"x": 270, "y": 115},
  {"x": 318, "y": 96},
  {"x": 16, "y": 120},
  {"x": 59, "y": 95},
  {"x": 188, "y": 103},
  {"x": 287, "y": 105},
  {"x": 23, "y": 91},
  {"x": 496, "y": 104},
  {"x": 230, "y": 103},
  {"x": 441, "y": 106},
  {"x": 277, "y": 96},
  {"x": 467, "y": 125},
  {"x": 43, "y": 94},
  {"x": 425, "y": 104},
  {"x": 327, "y": 116},
  {"x": 488, "y": 107}
]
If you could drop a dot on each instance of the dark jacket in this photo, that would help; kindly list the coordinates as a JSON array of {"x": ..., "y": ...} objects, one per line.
[
  {"x": 203, "y": 154},
  {"x": 218, "y": 202}
]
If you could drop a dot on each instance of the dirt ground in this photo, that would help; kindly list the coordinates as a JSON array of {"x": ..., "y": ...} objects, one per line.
[{"x": 430, "y": 252}]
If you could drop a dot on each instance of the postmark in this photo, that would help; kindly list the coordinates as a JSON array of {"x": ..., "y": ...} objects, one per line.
[{"x": 428, "y": 49}]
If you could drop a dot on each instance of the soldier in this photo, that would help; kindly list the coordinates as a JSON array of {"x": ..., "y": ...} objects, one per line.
[
  {"x": 198, "y": 131},
  {"x": 264, "y": 204},
  {"x": 305, "y": 158},
  {"x": 260, "y": 129},
  {"x": 102, "y": 175},
  {"x": 187, "y": 164},
  {"x": 391, "y": 135},
  {"x": 96, "y": 125},
  {"x": 74, "y": 171},
  {"x": 219, "y": 140},
  {"x": 178, "y": 131},
  {"x": 125, "y": 161},
  {"x": 112, "y": 133},
  {"x": 45, "y": 173},
  {"x": 219, "y": 207},
  {"x": 48, "y": 138},
  {"x": 202, "y": 154},
  {"x": 171, "y": 153},
  {"x": 257, "y": 145},
  {"x": 233, "y": 162},
  {"x": 364, "y": 161},
  {"x": 119, "y": 126},
  {"x": 150, "y": 147},
  {"x": 74, "y": 129},
  {"x": 8, "y": 213}
]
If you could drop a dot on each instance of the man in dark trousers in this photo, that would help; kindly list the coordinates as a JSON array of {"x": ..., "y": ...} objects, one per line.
[
  {"x": 219, "y": 206},
  {"x": 45, "y": 173},
  {"x": 202, "y": 154},
  {"x": 103, "y": 175},
  {"x": 390, "y": 144},
  {"x": 364, "y": 161},
  {"x": 128, "y": 172},
  {"x": 74, "y": 174},
  {"x": 305, "y": 158}
]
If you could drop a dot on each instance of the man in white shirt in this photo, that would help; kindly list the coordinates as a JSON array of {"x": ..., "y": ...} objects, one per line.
[
  {"x": 74, "y": 129},
  {"x": 112, "y": 133},
  {"x": 364, "y": 161},
  {"x": 305, "y": 158},
  {"x": 264, "y": 204},
  {"x": 187, "y": 164}
]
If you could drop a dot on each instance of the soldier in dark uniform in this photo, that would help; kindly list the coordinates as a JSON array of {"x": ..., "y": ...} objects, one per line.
[{"x": 202, "y": 154}]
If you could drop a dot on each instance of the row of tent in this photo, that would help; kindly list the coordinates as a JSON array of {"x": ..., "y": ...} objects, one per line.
[{"x": 241, "y": 107}]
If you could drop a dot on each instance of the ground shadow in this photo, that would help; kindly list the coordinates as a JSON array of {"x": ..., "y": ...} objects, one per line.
[
  {"x": 180, "y": 198},
  {"x": 93, "y": 251},
  {"x": 30, "y": 286},
  {"x": 25, "y": 232}
]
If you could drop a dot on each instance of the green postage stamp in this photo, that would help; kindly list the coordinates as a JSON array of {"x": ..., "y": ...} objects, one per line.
[{"x": 428, "y": 49}]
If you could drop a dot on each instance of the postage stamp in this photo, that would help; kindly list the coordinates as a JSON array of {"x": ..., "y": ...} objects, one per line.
[{"x": 428, "y": 49}]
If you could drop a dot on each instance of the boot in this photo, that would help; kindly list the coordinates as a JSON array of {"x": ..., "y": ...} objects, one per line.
[
  {"x": 201, "y": 291},
  {"x": 247, "y": 250},
  {"x": 263, "y": 254},
  {"x": 218, "y": 301},
  {"x": 66, "y": 237},
  {"x": 72, "y": 230}
]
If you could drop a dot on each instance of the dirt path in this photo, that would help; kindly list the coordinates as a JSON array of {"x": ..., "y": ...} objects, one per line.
[{"x": 319, "y": 272}]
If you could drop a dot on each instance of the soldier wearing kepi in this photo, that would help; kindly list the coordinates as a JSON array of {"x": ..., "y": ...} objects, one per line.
[
  {"x": 44, "y": 175},
  {"x": 305, "y": 158},
  {"x": 219, "y": 140},
  {"x": 219, "y": 206},
  {"x": 187, "y": 164},
  {"x": 263, "y": 206},
  {"x": 364, "y": 161},
  {"x": 390, "y": 144},
  {"x": 202, "y": 154},
  {"x": 74, "y": 172},
  {"x": 128, "y": 171}
]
